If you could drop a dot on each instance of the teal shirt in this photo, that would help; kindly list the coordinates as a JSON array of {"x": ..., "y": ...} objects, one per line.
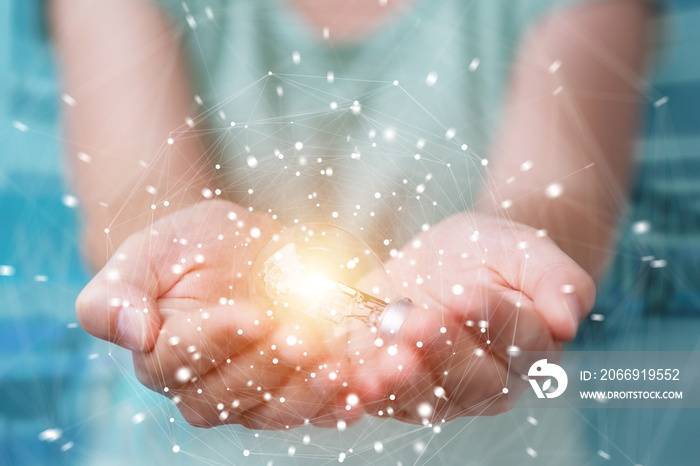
[{"x": 429, "y": 86}]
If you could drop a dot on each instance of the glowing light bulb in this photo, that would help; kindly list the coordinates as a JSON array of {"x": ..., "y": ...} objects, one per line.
[{"x": 324, "y": 271}]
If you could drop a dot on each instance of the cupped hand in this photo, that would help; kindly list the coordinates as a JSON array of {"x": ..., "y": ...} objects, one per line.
[
  {"x": 177, "y": 295},
  {"x": 486, "y": 291}
]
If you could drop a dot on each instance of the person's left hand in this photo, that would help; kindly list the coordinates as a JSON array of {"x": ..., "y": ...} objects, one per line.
[{"x": 486, "y": 291}]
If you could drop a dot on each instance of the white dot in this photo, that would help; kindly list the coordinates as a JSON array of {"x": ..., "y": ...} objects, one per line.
[
  {"x": 299, "y": 145},
  {"x": 425, "y": 410},
  {"x": 255, "y": 232},
  {"x": 554, "y": 190},
  {"x": 176, "y": 448},
  {"x": 431, "y": 79},
  {"x": 183, "y": 374},
  {"x": 641, "y": 227},
  {"x": 457, "y": 289},
  {"x": 568, "y": 289}
]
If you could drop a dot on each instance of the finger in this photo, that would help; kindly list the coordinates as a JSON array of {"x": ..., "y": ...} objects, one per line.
[
  {"x": 562, "y": 291},
  {"x": 192, "y": 343},
  {"x": 119, "y": 303},
  {"x": 230, "y": 391}
]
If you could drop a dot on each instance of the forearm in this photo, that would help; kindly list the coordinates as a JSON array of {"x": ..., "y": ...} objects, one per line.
[
  {"x": 128, "y": 145},
  {"x": 563, "y": 158}
]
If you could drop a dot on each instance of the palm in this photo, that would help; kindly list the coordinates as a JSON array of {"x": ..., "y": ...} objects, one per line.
[{"x": 472, "y": 288}]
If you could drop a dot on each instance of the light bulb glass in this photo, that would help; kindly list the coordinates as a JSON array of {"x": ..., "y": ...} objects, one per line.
[{"x": 324, "y": 272}]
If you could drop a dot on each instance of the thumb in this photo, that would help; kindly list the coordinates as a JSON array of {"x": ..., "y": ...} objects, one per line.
[
  {"x": 119, "y": 304},
  {"x": 562, "y": 291}
]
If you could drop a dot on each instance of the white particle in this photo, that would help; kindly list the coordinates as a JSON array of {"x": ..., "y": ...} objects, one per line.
[
  {"x": 280, "y": 91},
  {"x": 597, "y": 317},
  {"x": 378, "y": 446},
  {"x": 330, "y": 77},
  {"x": 352, "y": 399},
  {"x": 334, "y": 105},
  {"x": 83, "y": 157},
  {"x": 252, "y": 161},
  {"x": 554, "y": 190},
  {"x": 530, "y": 451},
  {"x": 532, "y": 420},
  {"x": 457, "y": 289},
  {"x": 660, "y": 102},
  {"x": 67, "y": 446},
  {"x": 176, "y": 448},
  {"x": 568, "y": 289},
  {"x": 604, "y": 455},
  {"x": 306, "y": 440},
  {"x": 484, "y": 162},
  {"x": 474, "y": 64},
  {"x": 356, "y": 107},
  {"x": 207, "y": 193},
  {"x": 378, "y": 342},
  {"x": 138, "y": 418},
  {"x": 50, "y": 435},
  {"x": 334, "y": 215},
  {"x": 189, "y": 122},
  {"x": 526, "y": 165},
  {"x": 431, "y": 79},
  {"x": 506, "y": 204},
  {"x": 255, "y": 232},
  {"x": 420, "y": 189},
  {"x": 6, "y": 271},
  {"x": 177, "y": 269},
  {"x": 291, "y": 450},
  {"x": 183, "y": 374},
  {"x": 68, "y": 99},
  {"x": 291, "y": 340},
  {"x": 558, "y": 90},
  {"x": 555, "y": 66},
  {"x": 392, "y": 350},
  {"x": 296, "y": 57},
  {"x": 341, "y": 457},
  {"x": 513, "y": 350},
  {"x": 439, "y": 392},
  {"x": 641, "y": 227},
  {"x": 342, "y": 425},
  {"x": 658, "y": 264},
  {"x": 425, "y": 410},
  {"x": 450, "y": 133},
  {"x": 20, "y": 126},
  {"x": 246, "y": 452},
  {"x": 69, "y": 200},
  {"x": 418, "y": 447}
]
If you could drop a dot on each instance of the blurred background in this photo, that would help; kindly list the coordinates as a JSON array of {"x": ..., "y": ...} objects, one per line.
[{"x": 64, "y": 399}]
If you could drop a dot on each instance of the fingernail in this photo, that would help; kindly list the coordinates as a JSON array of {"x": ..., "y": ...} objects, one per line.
[
  {"x": 131, "y": 325},
  {"x": 574, "y": 308}
]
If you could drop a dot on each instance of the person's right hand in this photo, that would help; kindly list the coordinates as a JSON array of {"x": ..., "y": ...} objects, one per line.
[{"x": 177, "y": 295}]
